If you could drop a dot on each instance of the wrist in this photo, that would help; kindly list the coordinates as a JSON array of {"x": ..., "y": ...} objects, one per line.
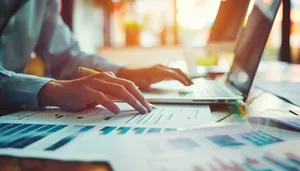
[
  {"x": 122, "y": 72},
  {"x": 46, "y": 96}
]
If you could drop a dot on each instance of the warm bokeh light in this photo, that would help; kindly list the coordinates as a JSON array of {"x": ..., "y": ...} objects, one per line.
[{"x": 196, "y": 14}]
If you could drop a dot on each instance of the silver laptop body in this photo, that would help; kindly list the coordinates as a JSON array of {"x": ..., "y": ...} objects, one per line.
[{"x": 235, "y": 89}]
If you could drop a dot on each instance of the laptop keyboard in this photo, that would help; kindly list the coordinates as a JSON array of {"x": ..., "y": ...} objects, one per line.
[{"x": 207, "y": 89}]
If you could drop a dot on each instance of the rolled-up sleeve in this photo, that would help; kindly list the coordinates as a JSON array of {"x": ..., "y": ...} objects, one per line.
[
  {"x": 20, "y": 90},
  {"x": 61, "y": 52}
]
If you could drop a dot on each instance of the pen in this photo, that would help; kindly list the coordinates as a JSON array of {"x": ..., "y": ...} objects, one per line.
[
  {"x": 285, "y": 110},
  {"x": 89, "y": 71},
  {"x": 293, "y": 112},
  {"x": 97, "y": 71}
]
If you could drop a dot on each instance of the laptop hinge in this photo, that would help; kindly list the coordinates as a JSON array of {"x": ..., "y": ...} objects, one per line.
[{"x": 233, "y": 89}]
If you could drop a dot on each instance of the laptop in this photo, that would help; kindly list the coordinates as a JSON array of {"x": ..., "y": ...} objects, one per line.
[{"x": 248, "y": 54}]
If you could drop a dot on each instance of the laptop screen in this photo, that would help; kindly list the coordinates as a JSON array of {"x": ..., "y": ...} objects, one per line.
[
  {"x": 228, "y": 21},
  {"x": 251, "y": 44}
]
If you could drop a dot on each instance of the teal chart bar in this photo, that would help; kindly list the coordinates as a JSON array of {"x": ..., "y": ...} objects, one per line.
[
  {"x": 260, "y": 138},
  {"x": 123, "y": 130},
  {"x": 154, "y": 130},
  {"x": 69, "y": 138},
  {"x": 183, "y": 143},
  {"x": 225, "y": 141},
  {"x": 108, "y": 130},
  {"x": 20, "y": 136},
  {"x": 259, "y": 163},
  {"x": 139, "y": 130},
  {"x": 281, "y": 164}
]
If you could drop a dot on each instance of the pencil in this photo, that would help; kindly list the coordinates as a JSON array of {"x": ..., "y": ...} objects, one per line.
[
  {"x": 286, "y": 111},
  {"x": 97, "y": 71},
  {"x": 89, "y": 71}
]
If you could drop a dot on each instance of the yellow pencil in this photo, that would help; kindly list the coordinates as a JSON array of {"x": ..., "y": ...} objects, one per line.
[
  {"x": 89, "y": 71},
  {"x": 97, "y": 71}
]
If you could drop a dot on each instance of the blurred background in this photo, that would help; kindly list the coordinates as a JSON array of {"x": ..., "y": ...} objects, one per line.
[{"x": 130, "y": 31}]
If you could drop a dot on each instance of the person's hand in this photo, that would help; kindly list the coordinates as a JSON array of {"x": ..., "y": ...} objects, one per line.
[
  {"x": 144, "y": 77},
  {"x": 75, "y": 95}
]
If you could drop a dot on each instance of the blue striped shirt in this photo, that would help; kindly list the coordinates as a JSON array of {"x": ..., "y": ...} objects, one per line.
[{"x": 37, "y": 27}]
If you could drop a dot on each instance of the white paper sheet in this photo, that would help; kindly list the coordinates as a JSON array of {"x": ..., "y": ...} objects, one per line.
[
  {"x": 287, "y": 90},
  {"x": 163, "y": 116},
  {"x": 47, "y": 132},
  {"x": 283, "y": 119},
  {"x": 202, "y": 147},
  {"x": 278, "y": 157},
  {"x": 140, "y": 152},
  {"x": 60, "y": 135}
]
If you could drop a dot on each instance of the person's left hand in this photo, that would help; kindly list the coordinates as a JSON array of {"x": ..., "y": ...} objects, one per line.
[{"x": 144, "y": 77}]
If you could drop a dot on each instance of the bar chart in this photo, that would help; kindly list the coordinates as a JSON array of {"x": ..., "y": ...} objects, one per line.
[
  {"x": 115, "y": 130},
  {"x": 257, "y": 138},
  {"x": 68, "y": 138},
  {"x": 288, "y": 162},
  {"x": 247, "y": 139},
  {"x": 225, "y": 141},
  {"x": 20, "y": 136},
  {"x": 260, "y": 138}
]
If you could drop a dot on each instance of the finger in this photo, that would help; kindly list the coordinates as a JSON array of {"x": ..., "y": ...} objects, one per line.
[
  {"x": 111, "y": 74},
  {"x": 131, "y": 88},
  {"x": 183, "y": 75},
  {"x": 169, "y": 73},
  {"x": 101, "y": 75},
  {"x": 100, "y": 98},
  {"x": 118, "y": 91},
  {"x": 91, "y": 105}
]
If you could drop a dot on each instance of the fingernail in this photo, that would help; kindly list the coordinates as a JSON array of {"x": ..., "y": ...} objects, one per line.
[
  {"x": 142, "y": 109},
  {"x": 147, "y": 105},
  {"x": 117, "y": 110}
]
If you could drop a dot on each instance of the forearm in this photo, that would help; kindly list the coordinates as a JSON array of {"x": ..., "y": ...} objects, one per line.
[
  {"x": 21, "y": 90},
  {"x": 69, "y": 70}
]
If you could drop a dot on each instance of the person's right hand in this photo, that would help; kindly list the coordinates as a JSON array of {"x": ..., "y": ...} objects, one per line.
[{"x": 75, "y": 95}]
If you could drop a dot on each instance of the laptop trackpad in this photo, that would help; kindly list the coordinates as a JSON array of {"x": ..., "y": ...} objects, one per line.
[{"x": 170, "y": 87}]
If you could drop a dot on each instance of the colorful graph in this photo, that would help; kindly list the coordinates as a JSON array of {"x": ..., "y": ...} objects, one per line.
[
  {"x": 289, "y": 162},
  {"x": 22, "y": 135},
  {"x": 260, "y": 138},
  {"x": 293, "y": 158},
  {"x": 283, "y": 164},
  {"x": 19, "y": 136},
  {"x": 108, "y": 130},
  {"x": 257, "y": 138},
  {"x": 69, "y": 138},
  {"x": 183, "y": 143},
  {"x": 225, "y": 141}
]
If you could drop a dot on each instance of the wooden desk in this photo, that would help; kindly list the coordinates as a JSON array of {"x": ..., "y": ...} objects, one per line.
[
  {"x": 19, "y": 164},
  {"x": 264, "y": 101}
]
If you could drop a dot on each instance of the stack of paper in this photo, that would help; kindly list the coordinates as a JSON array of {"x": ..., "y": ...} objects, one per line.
[
  {"x": 287, "y": 90},
  {"x": 53, "y": 129},
  {"x": 279, "y": 119},
  {"x": 83, "y": 136}
]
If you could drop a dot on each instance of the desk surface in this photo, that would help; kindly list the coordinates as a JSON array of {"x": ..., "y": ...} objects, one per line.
[{"x": 262, "y": 102}]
